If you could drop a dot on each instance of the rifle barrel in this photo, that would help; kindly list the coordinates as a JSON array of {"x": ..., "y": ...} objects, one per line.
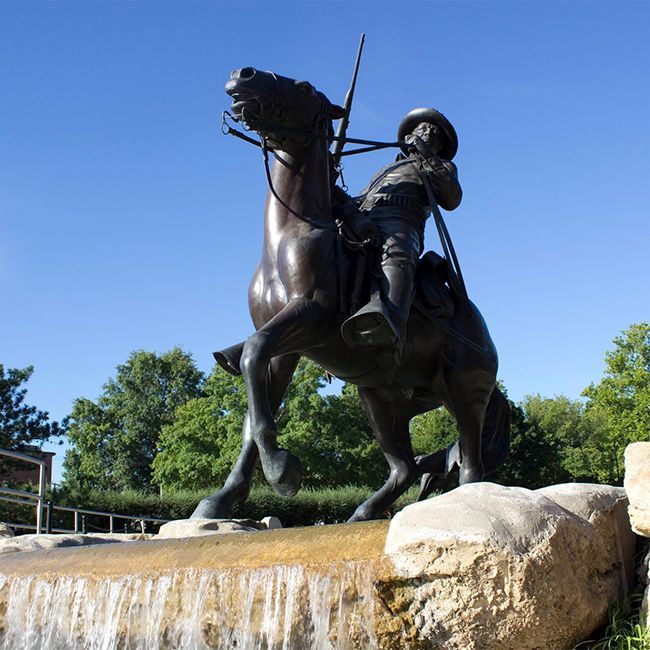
[{"x": 347, "y": 106}]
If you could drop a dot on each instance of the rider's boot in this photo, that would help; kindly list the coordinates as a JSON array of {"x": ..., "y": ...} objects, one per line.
[
  {"x": 400, "y": 279},
  {"x": 381, "y": 324}
]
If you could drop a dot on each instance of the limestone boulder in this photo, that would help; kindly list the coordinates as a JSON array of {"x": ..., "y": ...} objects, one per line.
[
  {"x": 487, "y": 567},
  {"x": 605, "y": 506},
  {"x": 637, "y": 486},
  {"x": 200, "y": 527},
  {"x": 5, "y": 531},
  {"x": 40, "y": 542}
]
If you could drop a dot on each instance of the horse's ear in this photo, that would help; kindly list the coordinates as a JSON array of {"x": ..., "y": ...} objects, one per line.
[{"x": 336, "y": 112}]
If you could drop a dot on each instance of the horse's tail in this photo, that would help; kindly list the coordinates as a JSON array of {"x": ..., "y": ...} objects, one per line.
[
  {"x": 495, "y": 437},
  {"x": 495, "y": 444}
]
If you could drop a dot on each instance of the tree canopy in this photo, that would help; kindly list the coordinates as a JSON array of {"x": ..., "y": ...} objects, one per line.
[
  {"x": 330, "y": 434},
  {"x": 20, "y": 423},
  {"x": 160, "y": 422},
  {"x": 114, "y": 440},
  {"x": 618, "y": 405}
]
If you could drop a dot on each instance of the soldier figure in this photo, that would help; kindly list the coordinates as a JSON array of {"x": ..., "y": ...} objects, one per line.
[{"x": 396, "y": 201}]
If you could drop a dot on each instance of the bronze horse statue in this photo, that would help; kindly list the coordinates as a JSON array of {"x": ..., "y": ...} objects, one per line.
[{"x": 295, "y": 304}]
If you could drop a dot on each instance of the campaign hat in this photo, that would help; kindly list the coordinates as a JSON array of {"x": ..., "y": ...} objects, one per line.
[{"x": 410, "y": 121}]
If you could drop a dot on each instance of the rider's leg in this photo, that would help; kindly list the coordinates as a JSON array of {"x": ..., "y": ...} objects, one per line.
[
  {"x": 468, "y": 408},
  {"x": 382, "y": 323},
  {"x": 299, "y": 326},
  {"x": 237, "y": 486}
]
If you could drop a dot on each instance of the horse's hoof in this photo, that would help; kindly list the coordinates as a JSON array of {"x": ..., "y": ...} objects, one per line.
[
  {"x": 211, "y": 508},
  {"x": 472, "y": 474},
  {"x": 362, "y": 513},
  {"x": 283, "y": 471}
]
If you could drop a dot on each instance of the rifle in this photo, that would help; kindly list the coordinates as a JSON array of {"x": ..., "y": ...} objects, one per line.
[{"x": 339, "y": 141}]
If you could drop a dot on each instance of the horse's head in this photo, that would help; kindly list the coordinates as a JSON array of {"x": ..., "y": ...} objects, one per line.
[{"x": 286, "y": 112}]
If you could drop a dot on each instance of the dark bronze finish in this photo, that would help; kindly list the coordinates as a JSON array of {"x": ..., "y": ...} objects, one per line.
[{"x": 298, "y": 305}]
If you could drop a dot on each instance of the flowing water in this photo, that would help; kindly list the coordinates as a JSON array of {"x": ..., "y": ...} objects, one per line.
[
  {"x": 293, "y": 605},
  {"x": 276, "y": 607}
]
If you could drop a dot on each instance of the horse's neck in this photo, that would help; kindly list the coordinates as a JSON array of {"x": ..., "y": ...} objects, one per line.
[{"x": 300, "y": 192}]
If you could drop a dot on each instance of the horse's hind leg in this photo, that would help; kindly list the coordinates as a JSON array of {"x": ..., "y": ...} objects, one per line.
[
  {"x": 238, "y": 484},
  {"x": 389, "y": 414},
  {"x": 468, "y": 407}
]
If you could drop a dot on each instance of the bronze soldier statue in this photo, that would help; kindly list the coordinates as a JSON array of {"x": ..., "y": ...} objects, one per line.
[
  {"x": 396, "y": 201},
  {"x": 300, "y": 299}
]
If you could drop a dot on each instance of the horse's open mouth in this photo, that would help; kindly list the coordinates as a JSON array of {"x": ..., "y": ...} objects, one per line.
[{"x": 246, "y": 109}]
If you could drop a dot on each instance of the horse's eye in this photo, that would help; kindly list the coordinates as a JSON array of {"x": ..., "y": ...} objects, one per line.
[{"x": 305, "y": 89}]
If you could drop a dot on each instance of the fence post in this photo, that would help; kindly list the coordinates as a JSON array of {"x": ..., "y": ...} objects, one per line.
[
  {"x": 83, "y": 524},
  {"x": 76, "y": 521},
  {"x": 110, "y": 523},
  {"x": 39, "y": 501},
  {"x": 48, "y": 519}
]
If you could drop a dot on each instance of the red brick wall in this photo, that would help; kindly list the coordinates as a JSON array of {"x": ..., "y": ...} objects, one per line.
[{"x": 26, "y": 472}]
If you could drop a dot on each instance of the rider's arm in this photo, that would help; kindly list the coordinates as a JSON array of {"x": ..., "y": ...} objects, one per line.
[{"x": 444, "y": 181}]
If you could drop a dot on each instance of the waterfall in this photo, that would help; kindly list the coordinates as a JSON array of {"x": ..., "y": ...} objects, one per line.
[{"x": 283, "y": 607}]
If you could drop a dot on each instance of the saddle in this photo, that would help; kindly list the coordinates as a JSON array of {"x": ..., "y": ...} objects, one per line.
[
  {"x": 432, "y": 293},
  {"x": 432, "y": 290}
]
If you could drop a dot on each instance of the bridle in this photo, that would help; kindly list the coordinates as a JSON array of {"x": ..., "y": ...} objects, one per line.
[{"x": 318, "y": 130}]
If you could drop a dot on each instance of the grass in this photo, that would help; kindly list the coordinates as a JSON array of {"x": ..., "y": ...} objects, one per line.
[{"x": 625, "y": 631}]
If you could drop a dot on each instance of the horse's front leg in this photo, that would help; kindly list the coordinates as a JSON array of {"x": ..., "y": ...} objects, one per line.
[
  {"x": 238, "y": 484},
  {"x": 298, "y": 327}
]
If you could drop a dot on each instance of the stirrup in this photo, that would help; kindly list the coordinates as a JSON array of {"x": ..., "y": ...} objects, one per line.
[{"x": 370, "y": 326}]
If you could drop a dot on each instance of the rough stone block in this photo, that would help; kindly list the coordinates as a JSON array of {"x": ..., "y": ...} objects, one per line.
[
  {"x": 637, "y": 486},
  {"x": 41, "y": 542},
  {"x": 200, "y": 527},
  {"x": 495, "y": 568},
  {"x": 605, "y": 506},
  {"x": 5, "y": 531}
]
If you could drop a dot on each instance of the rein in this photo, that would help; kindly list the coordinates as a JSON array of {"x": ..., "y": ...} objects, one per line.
[
  {"x": 373, "y": 145},
  {"x": 345, "y": 233}
]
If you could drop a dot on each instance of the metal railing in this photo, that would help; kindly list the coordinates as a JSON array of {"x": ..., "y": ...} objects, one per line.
[
  {"x": 27, "y": 498},
  {"x": 45, "y": 510}
]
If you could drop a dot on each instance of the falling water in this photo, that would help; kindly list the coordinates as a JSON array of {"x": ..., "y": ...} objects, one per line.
[{"x": 275, "y": 607}]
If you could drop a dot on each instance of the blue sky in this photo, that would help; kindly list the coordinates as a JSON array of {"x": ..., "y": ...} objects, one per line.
[{"x": 127, "y": 221}]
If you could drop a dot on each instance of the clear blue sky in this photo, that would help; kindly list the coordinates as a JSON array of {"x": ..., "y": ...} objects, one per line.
[{"x": 127, "y": 221}]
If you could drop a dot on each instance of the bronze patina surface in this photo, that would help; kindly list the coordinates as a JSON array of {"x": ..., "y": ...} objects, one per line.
[{"x": 314, "y": 275}]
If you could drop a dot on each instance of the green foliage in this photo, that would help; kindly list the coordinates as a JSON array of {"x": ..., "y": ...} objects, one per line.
[
  {"x": 625, "y": 630},
  {"x": 544, "y": 434},
  {"x": 158, "y": 414},
  {"x": 433, "y": 431},
  {"x": 198, "y": 449},
  {"x": 309, "y": 506},
  {"x": 330, "y": 434},
  {"x": 619, "y": 404},
  {"x": 20, "y": 423},
  {"x": 114, "y": 440}
]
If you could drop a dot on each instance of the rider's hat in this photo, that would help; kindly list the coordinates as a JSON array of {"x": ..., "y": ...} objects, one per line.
[{"x": 449, "y": 145}]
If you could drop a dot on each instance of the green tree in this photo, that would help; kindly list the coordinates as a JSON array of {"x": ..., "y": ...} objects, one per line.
[
  {"x": 20, "y": 423},
  {"x": 330, "y": 434},
  {"x": 433, "y": 431},
  {"x": 618, "y": 407},
  {"x": 198, "y": 449},
  {"x": 544, "y": 433},
  {"x": 114, "y": 440}
]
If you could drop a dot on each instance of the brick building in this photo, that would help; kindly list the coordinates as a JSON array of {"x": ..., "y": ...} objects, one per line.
[{"x": 14, "y": 471}]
